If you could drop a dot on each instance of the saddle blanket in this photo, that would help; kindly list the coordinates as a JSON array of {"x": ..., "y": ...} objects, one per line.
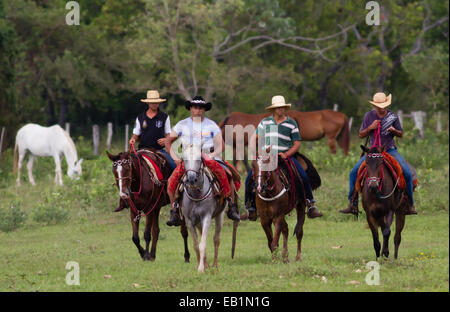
[{"x": 395, "y": 169}]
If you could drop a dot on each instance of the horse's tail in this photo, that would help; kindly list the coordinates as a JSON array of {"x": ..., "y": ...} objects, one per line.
[
  {"x": 16, "y": 157},
  {"x": 344, "y": 136},
  {"x": 233, "y": 242},
  {"x": 222, "y": 125}
]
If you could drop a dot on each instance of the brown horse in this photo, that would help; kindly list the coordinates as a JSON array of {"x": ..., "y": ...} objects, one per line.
[
  {"x": 313, "y": 126},
  {"x": 145, "y": 195},
  {"x": 274, "y": 201},
  {"x": 382, "y": 199}
]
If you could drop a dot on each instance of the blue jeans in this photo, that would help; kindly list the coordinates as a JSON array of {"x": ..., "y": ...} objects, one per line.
[
  {"x": 172, "y": 164},
  {"x": 303, "y": 174},
  {"x": 402, "y": 162}
]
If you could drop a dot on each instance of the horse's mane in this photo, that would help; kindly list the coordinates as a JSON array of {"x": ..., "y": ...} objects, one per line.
[{"x": 69, "y": 139}]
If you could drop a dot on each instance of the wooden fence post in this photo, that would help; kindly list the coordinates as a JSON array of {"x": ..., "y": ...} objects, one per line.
[
  {"x": 400, "y": 117},
  {"x": 438, "y": 122},
  {"x": 419, "y": 121},
  {"x": 96, "y": 138},
  {"x": 110, "y": 132},
  {"x": 1, "y": 141},
  {"x": 350, "y": 122},
  {"x": 126, "y": 138},
  {"x": 335, "y": 107},
  {"x": 68, "y": 127}
]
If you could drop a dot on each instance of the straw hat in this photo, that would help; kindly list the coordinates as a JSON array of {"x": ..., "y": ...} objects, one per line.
[
  {"x": 153, "y": 97},
  {"x": 381, "y": 100},
  {"x": 278, "y": 101}
]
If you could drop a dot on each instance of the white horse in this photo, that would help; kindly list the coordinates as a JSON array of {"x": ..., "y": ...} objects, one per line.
[{"x": 46, "y": 141}]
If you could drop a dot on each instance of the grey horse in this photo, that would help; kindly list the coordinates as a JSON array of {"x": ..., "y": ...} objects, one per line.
[{"x": 199, "y": 205}]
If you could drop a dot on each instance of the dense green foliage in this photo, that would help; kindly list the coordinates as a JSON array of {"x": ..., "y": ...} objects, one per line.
[{"x": 236, "y": 53}]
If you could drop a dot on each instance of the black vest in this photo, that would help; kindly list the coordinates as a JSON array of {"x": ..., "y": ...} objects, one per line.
[{"x": 152, "y": 129}]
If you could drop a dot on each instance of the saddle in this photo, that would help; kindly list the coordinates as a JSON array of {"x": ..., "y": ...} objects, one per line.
[
  {"x": 394, "y": 168},
  {"x": 156, "y": 162}
]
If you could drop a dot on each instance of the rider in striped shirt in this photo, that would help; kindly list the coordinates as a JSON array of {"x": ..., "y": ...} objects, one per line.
[{"x": 282, "y": 134}]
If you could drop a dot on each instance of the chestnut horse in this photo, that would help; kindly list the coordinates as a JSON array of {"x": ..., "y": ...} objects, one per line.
[
  {"x": 274, "y": 201},
  {"x": 145, "y": 195},
  {"x": 313, "y": 126},
  {"x": 382, "y": 199}
]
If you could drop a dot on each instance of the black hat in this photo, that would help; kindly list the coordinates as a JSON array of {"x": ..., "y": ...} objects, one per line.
[{"x": 198, "y": 101}]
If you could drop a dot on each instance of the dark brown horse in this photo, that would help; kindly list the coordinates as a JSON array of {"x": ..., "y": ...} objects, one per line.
[
  {"x": 274, "y": 201},
  {"x": 313, "y": 126},
  {"x": 381, "y": 199},
  {"x": 145, "y": 195}
]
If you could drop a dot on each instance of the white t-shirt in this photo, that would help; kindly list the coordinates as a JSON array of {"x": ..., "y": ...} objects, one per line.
[
  {"x": 137, "y": 127},
  {"x": 197, "y": 133}
]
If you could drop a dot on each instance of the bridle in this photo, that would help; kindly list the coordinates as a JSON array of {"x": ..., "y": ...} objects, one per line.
[
  {"x": 379, "y": 179},
  {"x": 198, "y": 174},
  {"x": 264, "y": 185},
  {"x": 121, "y": 162}
]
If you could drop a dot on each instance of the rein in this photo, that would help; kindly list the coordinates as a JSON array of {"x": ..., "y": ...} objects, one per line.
[
  {"x": 136, "y": 211},
  {"x": 381, "y": 177}
]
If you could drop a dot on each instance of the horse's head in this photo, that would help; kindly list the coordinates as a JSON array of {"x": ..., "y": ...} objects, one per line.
[
  {"x": 74, "y": 170},
  {"x": 192, "y": 161},
  {"x": 122, "y": 170},
  {"x": 261, "y": 170},
  {"x": 374, "y": 162}
]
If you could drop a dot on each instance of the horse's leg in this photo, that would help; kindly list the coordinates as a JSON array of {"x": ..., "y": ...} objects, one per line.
[
  {"x": 247, "y": 166},
  {"x": 219, "y": 224},
  {"x": 374, "y": 228},
  {"x": 399, "y": 224},
  {"x": 276, "y": 237},
  {"x": 386, "y": 230},
  {"x": 19, "y": 164},
  {"x": 135, "y": 237},
  {"x": 206, "y": 223},
  {"x": 195, "y": 242},
  {"x": 147, "y": 236},
  {"x": 299, "y": 231},
  {"x": 30, "y": 169},
  {"x": 331, "y": 143},
  {"x": 155, "y": 234},
  {"x": 58, "y": 172},
  {"x": 285, "y": 232},
  {"x": 266, "y": 224},
  {"x": 184, "y": 234}
]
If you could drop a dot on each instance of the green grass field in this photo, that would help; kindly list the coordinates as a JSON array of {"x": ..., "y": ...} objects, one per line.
[{"x": 76, "y": 223}]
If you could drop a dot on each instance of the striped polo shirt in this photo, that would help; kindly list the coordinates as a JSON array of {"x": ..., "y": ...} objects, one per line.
[{"x": 281, "y": 136}]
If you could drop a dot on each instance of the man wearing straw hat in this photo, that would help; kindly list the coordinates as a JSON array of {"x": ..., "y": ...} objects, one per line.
[
  {"x": 288, "y": 143},
  {"x": 389, "y": 124},
  {"x": 151, "y": 129}
]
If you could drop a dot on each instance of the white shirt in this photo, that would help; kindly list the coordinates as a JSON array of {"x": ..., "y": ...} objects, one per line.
[{"x": 197, "y": 133}]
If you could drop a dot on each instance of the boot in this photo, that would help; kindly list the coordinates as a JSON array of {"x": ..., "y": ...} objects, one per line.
[
  {"x": 411, "y": 210},
  {"x": 251, "y": 209},
  {"x": 122, "y": 204},
  {"x": 313, "y": 212},
  {"x": 233, "y": 212},
  {"x": 352, "y": 207},
  {"x": 175, "y": 219}
]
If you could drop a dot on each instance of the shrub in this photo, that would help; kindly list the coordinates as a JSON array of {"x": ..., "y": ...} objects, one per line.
[
  {"x": 12, "y": 218},
  {"x": 51, "y": 210}
]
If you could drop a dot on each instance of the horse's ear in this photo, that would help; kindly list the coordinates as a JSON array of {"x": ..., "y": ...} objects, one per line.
[
  {"x": 112, "y": 157},
  {"x": 383, "y": 148},
  {"x": 80, "y": 161},
  {"x": 365, "y": 149}
]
